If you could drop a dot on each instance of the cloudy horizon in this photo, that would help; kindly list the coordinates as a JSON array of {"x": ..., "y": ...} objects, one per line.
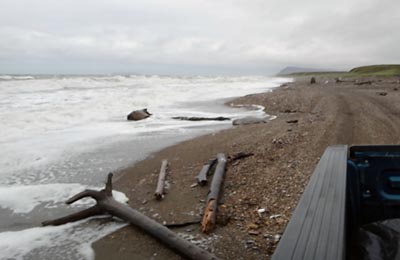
[{"x": 194, "y": 36}]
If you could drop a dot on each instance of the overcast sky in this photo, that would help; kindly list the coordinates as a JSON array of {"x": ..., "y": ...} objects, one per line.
[{"x": 195, "y": 36}]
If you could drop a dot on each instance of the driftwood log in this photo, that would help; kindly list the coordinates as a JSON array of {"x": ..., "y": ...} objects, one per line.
[
  {"x": 368, "y": 82},
  {"x": 106, "y": 204},
  {"x": 240, "y": 155},
  {"x": 220, "y": 118},
  {"x": 290, "y": 111},
  {"x": 339, "y": 80},
  {"x": 205, "y": 171},
  {"x": 210, "y": 213},
  {"x": 249, "y": 120},
  {"x": 159, "y": 193}
]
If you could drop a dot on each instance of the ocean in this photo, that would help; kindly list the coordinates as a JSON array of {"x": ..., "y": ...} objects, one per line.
[{"x": 62, "y": 134}]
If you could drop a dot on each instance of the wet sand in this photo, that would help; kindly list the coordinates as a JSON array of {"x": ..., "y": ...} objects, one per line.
[{"x": 286, "y": 151}]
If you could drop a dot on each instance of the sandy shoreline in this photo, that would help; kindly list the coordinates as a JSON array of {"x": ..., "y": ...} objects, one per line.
[{"x": 285, "y": 154}]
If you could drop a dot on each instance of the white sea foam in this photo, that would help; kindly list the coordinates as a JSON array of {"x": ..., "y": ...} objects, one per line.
[
  {"x": 41, "y": 118},
  {"x": 61, "y": 135},
  {"x": 23, "y": 199},
  {"x": 69, "y": 241},
  {"x": 13, "y": 77}
]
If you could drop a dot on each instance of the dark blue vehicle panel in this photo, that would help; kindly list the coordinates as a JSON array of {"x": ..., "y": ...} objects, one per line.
[{"x": 348, "y": 190}]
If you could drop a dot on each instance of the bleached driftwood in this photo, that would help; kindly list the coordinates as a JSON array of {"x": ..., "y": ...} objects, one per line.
[
  {"x": 205, "y": 171},
  {"x": 210, "y": 213},
  {"x": 159, "y": 193},
  {"x": 106, "y": 204}
]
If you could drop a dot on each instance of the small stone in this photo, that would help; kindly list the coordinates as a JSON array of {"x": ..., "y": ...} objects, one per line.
[
  {"x": 261, "y": 211},
  {"x": 253, "y": 232},
  {"x": 193, "y": 185},
  {"x": 275, "y": 216},
  {"x": 267, "y": 236},
  {"x": 144, "y": 202},
  {"x": 277, "y": 237},
  {"x": 289, "y": 111},
  {"x": 250, "y": 242},
  {"x": 252, "y": 226}
]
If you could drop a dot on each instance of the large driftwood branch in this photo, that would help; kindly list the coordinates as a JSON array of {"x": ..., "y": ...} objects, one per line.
[
  {"x": 159, "y": 193},
  {"x": 210, "y": 213},
  {"x": 107, "y": 204},
  {"x": 90, "y": 212},
  {"x": 205, "y": 171}
]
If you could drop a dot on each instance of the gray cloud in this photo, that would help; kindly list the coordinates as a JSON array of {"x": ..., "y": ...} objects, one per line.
[{"x": 195, "y": 36}]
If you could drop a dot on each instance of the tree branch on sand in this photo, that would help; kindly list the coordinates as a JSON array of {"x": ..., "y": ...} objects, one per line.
[
  {"x": 159, "y": 193},
  {"x": 210, "y": 213},
  {"x": 106, "y": 204}
]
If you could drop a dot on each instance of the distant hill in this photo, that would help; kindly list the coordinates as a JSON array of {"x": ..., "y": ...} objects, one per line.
[
  {"x": 377, "y": 70},
  {"x": 390, "y": 70},
  {"x": 292, "y": 70}
]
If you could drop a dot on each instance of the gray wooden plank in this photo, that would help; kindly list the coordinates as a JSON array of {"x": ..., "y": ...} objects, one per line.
[
  {"x": 339, "y": 212},
  {"x": 322, "y": 216},
  {"x": 311, "y": 223},
  {"x": 316, "y": 229},
  {"x": 287, "y": 248}
]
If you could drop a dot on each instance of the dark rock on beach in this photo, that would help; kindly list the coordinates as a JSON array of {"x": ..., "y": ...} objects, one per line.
[{"x": 138, "y": 115}]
